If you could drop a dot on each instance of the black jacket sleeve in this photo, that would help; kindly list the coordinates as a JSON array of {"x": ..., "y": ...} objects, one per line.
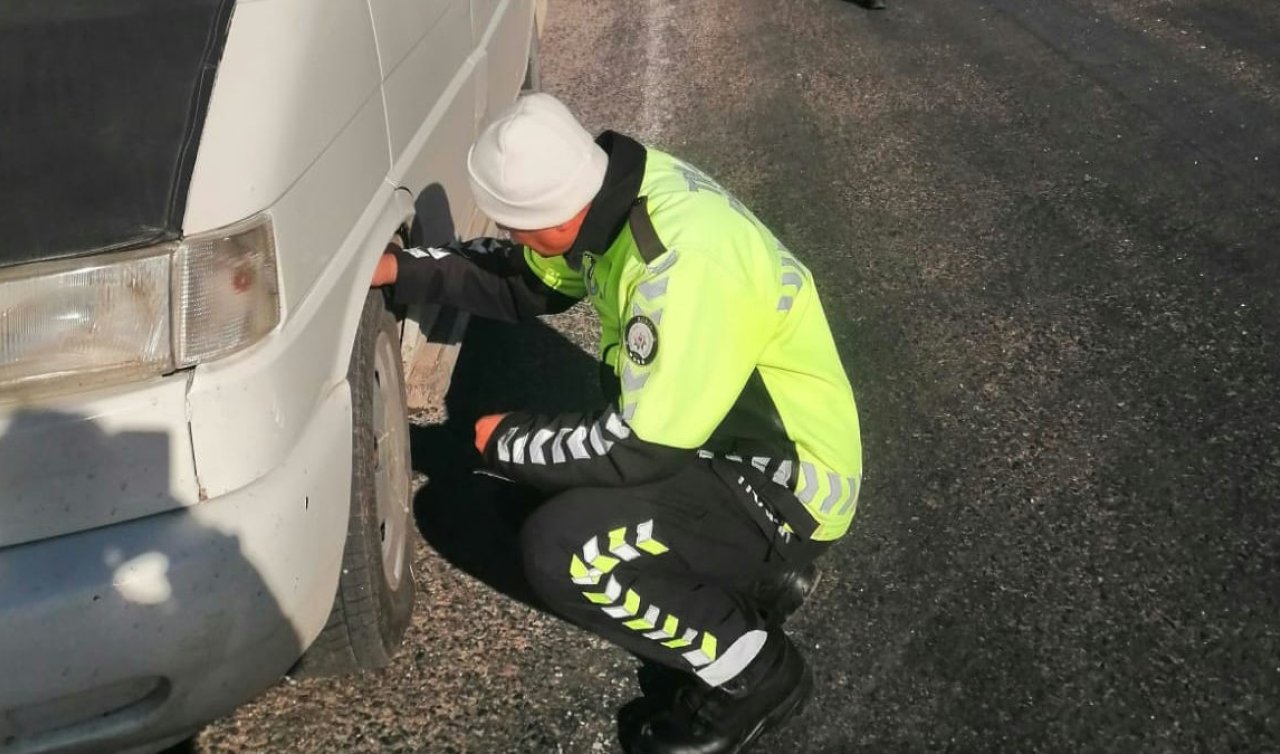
[
  {"x": 487, "y": 277},
  {"x": 579, "y": 450}
]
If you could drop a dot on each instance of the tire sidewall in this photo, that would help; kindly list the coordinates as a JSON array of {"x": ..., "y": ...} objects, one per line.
[{"x": 395, "y": 605}]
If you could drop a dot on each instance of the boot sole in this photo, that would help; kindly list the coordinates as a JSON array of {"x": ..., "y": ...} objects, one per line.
[{"x": 789, "y": 708}]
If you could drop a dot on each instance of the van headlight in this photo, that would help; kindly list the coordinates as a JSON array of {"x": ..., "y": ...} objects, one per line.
[{"x": 83, "y": 323}]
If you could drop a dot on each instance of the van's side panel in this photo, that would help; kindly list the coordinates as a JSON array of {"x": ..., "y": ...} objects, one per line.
[
  {"x": 430, "y": 98},
  {"x": 303, "y": 136},
  {"x": 503, "y": 40},
  {"x": 294, "y": 75},
  {"x": 248, "y": 410},
  {"x": 401, "y": 24}
]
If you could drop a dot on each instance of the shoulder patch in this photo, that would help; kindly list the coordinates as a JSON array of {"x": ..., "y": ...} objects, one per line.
[{"x": 641, "y": 338}]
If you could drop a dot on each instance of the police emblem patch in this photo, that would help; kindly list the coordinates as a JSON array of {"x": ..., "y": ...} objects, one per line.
[{"x": 641, "y": 337}]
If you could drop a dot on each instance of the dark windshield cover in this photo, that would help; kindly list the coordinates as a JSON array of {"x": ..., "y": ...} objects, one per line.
[{"x": 101, "y": 104}]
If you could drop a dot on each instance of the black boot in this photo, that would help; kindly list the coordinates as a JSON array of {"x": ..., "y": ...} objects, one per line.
[
  {"x": 782, "y": 595},
  {"x": 660, "y": 687},
  {"x": 728, "y": 719},
  {"x": 777, "y": 599}
]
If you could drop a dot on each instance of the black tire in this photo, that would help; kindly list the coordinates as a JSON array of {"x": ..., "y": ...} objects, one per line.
[{"x": 372, "y": 608}]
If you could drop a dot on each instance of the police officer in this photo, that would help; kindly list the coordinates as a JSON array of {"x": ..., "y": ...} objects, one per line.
[{"x": 683, "y": 518}]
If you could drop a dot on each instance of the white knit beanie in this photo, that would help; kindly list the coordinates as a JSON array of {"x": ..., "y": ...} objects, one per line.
[{"x": 535, "y": 166}]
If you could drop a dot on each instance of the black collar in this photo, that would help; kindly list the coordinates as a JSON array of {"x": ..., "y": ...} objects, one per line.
[{"x": 609, "y": 208}]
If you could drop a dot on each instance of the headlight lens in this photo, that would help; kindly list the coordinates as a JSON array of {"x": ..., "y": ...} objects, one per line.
[
  {"x": 109, "y": 320},
  {"x": 102, "y": 320}
]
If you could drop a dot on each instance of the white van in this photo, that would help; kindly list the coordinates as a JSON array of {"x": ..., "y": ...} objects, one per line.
[{"x": 204, "y": 475}]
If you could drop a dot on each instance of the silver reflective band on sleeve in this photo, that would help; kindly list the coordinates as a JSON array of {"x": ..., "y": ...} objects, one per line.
[
  {"x": 834, "y": 493},
  {"x": 664, "y": 262},
  {"x": 761, "y": 463},
  {"x": 434, "y": 252},
  {"x": 504, "y": 445},
  {"x": 517, "y": 448},
  {"x": 632, "y": 381},
  {"x": 854, "y": 484},
  {"x": 783, "y": 474},
  {"x": 577, "y": 443},
  {"x": 784, "y": 303},
  {"x": 535, "y": 447},
  {"x": 655, "y": 316},
  {"x": 736, "y": 658},
  {"x": 619, "y": 428},
  {"x": 653, "y": 288},
  {"x": 597, "y": 440},
  {"x": 809, "y": 485},
  {"x": 792, "y": 278},
  {"x": 557, "y": 445}
]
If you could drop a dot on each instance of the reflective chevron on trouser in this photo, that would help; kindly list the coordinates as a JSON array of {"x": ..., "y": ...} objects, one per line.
[{"x": 590, "y": 567}]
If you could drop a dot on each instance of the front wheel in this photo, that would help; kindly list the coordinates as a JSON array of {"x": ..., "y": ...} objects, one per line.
[{"x": 375, "y": 590}]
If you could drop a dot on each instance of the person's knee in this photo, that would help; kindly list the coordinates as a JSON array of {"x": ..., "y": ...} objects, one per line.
[{"x": 549, "y": 539}]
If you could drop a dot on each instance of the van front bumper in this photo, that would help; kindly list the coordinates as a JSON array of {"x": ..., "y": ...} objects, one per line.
[{"x": 132, "y": 633}]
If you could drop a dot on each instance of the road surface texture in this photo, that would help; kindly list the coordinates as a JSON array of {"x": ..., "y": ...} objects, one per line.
[{"x": 1045, "y": 235}]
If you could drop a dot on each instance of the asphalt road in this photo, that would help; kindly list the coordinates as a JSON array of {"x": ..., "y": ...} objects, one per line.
[{"x": 1045, "y": 235}]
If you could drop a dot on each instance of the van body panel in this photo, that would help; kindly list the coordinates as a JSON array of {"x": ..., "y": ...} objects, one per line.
[
  {"x": 100, "y": 459},
  {"x": 294, "y": 74}
]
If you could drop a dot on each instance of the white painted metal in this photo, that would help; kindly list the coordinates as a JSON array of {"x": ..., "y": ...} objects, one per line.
[
  {"x": 246, "y": 411},
  {"x": 209, "y": 554},
  {"x": 293, "y": 76},
  {"x": 246, "y": 582},
  {"x": 95, "y": 460},
  {"x": 504, "y": 43}
]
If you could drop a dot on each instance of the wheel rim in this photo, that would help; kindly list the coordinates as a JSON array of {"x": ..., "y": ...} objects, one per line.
[{"x": 391, "y": 476}]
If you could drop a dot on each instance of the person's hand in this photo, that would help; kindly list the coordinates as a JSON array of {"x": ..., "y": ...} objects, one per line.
[
  {"x": 485, "y": 426},
  {"x": 386, "y": 271}
]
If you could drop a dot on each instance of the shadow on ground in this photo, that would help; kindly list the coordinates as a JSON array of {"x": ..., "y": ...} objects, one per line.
[{"x": 471, "y": 519}]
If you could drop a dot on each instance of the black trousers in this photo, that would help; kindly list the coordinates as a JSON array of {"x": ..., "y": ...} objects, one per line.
[{"x": 666, "y": 570}]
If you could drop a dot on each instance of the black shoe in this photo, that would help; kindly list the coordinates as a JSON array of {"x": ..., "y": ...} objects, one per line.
[
  {"x": 728, "y": 719},
  {"x": 782, "y": 595},
  {"x": 777, "y": 598},
  {"x": 660, "y": 686}
]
